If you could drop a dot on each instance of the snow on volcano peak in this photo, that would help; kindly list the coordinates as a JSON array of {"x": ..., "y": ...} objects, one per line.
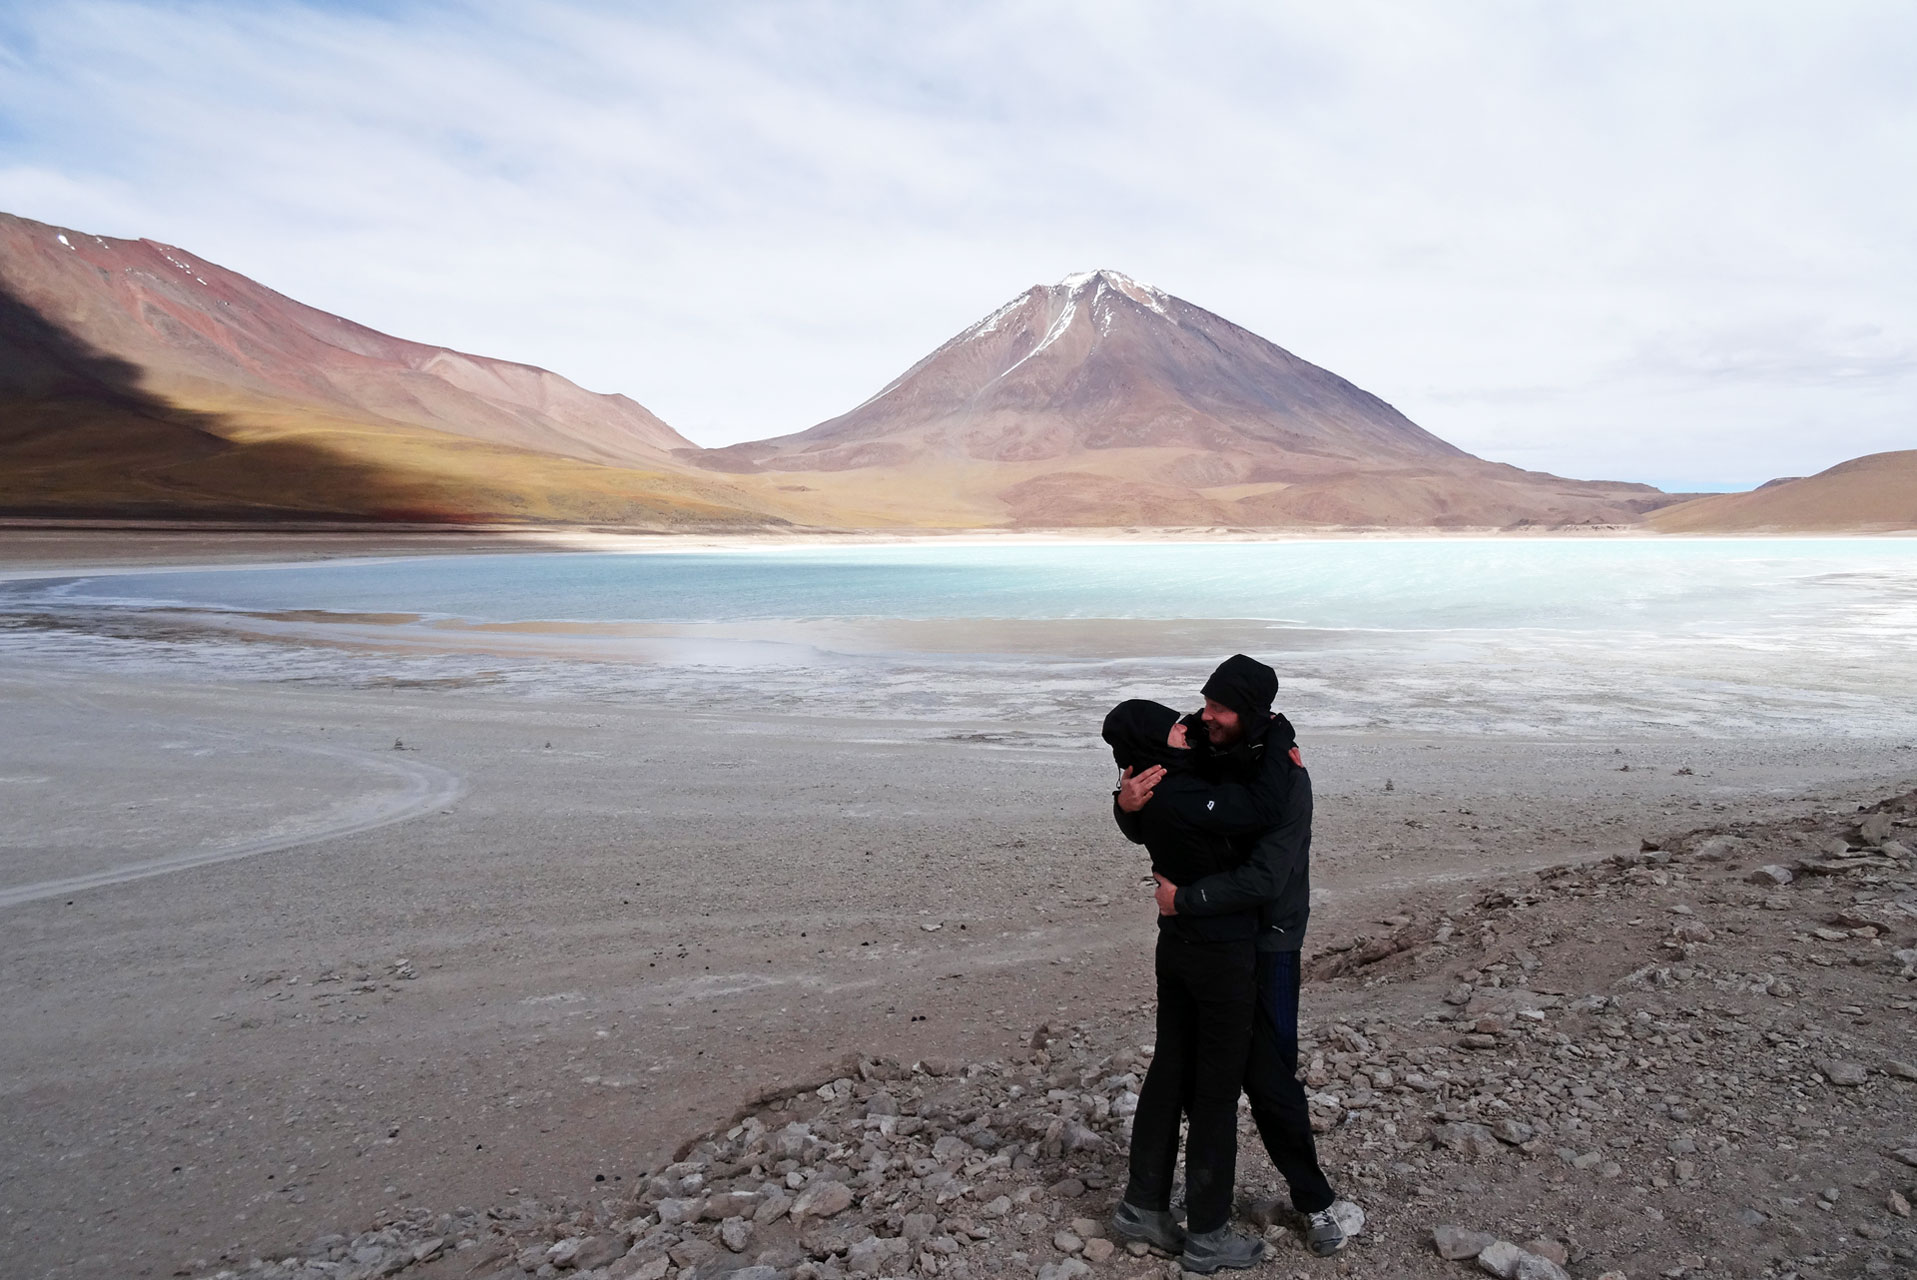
[
  {"x": 1105, "y": 275},
  {"x": 1105, "y": 279}
]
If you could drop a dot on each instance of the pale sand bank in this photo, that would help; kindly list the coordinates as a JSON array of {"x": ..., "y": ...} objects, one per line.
[{"x": 41, "y": 548}]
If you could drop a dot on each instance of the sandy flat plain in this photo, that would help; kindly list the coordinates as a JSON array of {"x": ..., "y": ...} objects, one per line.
[{"x": 342, "y": 947}]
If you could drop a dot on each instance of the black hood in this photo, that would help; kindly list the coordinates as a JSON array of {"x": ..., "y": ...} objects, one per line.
[
  {"x": 1246, "y": 685},
  {"x": 1136, "y": 730}
]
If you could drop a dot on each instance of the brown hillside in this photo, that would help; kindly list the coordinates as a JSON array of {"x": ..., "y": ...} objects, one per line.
[
  {"x": 194, "y": 329},
  {"x": 139, "y": 380},
  {"x": 1876, "y": 493}
]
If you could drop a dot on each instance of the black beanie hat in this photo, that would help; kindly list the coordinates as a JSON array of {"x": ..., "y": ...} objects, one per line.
[
  {"x": 1246, "y": 685},
  {"x": 1137, "y": 730}
]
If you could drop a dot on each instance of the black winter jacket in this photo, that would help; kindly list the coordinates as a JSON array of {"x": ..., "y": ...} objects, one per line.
[
  {"x": 1263, "y": 801},
  {"x": 1184, "y": 848}
]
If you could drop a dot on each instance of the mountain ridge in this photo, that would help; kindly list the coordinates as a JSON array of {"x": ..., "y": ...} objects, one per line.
[
  {"x": 193, "y": 325},
  {"x": 140, "y": 378}
]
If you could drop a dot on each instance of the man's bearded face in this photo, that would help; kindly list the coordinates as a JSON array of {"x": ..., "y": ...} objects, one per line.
[{"x": 1222, "y": 725}]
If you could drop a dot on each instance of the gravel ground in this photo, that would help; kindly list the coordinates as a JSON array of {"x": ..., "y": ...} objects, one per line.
[{"x": 1690, "y": 1060}]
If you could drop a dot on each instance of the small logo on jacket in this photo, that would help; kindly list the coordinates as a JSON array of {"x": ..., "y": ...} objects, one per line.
[{"x": 1210, "y": 805}]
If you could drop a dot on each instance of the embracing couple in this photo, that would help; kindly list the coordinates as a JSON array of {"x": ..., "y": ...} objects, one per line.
[{"x": 1222, "y": 802}]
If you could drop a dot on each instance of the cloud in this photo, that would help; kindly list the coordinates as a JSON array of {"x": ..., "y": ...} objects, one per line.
[{"x": 1638, "y": 240}]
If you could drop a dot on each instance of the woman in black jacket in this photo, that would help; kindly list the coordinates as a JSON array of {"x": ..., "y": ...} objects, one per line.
[{"x": 1206, "y": 969}]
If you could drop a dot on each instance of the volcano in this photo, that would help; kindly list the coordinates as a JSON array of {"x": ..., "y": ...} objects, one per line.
[{"x": 1104, "y": 401}]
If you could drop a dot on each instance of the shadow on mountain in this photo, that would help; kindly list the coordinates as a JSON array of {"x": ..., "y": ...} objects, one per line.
[{"x": 80, "y": 437}]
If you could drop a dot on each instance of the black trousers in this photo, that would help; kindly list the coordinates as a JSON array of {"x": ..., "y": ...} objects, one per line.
[
  {"x": 1207, "y": 992},
  {"x": 1271, "y": 1084}
]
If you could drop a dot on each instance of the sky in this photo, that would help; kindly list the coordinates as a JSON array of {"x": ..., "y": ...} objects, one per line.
[{"x": 1639, "y": 241}]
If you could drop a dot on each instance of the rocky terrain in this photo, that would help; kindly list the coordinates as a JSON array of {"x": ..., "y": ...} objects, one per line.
[{"x": 1691, "y": 1061}]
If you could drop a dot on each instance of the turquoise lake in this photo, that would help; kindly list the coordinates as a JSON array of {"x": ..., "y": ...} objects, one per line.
[
  {"x": 1801, "y": 636},
  {"x": 1409, "y": 585}
]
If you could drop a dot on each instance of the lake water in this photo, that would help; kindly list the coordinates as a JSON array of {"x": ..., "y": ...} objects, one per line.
[{"x": 1803, "y": 636}]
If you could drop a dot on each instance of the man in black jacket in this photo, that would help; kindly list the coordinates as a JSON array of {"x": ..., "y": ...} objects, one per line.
[{"x": 1249, "y": 744}]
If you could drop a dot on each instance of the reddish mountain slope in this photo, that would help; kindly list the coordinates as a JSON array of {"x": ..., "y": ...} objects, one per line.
[
  {"x": 1103, "y": 401},
  {"x": 140, "y": 380},
  {"x": 198, "y": 332}
]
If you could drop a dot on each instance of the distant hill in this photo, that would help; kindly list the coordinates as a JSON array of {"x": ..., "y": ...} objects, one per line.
[
  {"x": 1103, "y": 401},
  {"x": 140, "y": 379},
  {"x": 1873, "y": 494}
]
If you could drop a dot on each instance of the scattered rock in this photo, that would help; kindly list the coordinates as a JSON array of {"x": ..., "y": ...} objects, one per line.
[
  {"x": 673, "y": 1212},
  {"x": 1458, "y": 1243},
  {"x": 598, "y": 1251},
  {"x": 1066, "y": 1269},
  {"x": 1500, "y": 1258},
  {"x": 1771, "y": 874},
  {"x": 822, "y": 1199},
  {"x": 1080, "y": 1138},
  {"x": 775, "y": 1204},
  {"x": 636, "y": 1268},
  {"x": 1533, "y": 1267},
  {"x": 1545, "y": 1247},
  {"x": 1847, "y": 1074},
  {"x": 1469, "y": 1139}
]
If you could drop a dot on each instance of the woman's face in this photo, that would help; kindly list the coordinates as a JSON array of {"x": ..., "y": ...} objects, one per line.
[{"x": 1176, "y": 738}]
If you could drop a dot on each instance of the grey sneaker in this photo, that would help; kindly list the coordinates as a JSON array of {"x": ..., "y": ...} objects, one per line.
[
  {"x": 1221, "y": 1249},
  {"x": 1155, "y": 1227},
  {"x": 1323, "y": 1235}
]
